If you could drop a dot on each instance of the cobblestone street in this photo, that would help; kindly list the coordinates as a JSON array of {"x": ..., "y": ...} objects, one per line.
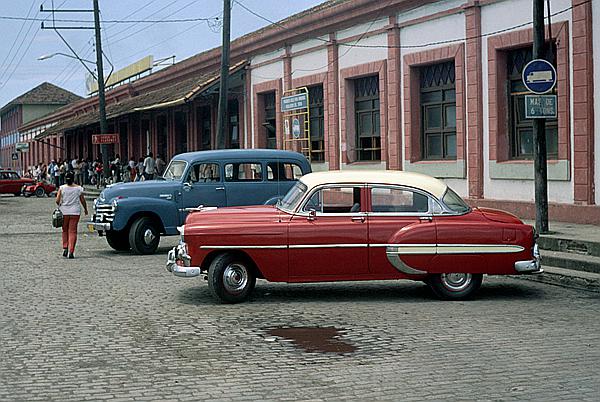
[{"x": 112, "y": 326}]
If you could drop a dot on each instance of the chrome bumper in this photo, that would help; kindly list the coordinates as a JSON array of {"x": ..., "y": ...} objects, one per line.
[
  {"x": 531, "y": 266},
  {"x": 100, "y": 226},
  {"x": 178, "y": 262}
]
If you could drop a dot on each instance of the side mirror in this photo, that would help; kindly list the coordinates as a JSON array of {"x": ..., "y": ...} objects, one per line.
[{"x": 312, "y": 215}]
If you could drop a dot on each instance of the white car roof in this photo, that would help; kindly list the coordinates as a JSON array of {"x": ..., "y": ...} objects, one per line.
[{"x": 435, "y": 187}]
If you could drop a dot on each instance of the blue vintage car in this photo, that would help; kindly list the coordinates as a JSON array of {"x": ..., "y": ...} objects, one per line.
[{"x": 135, "y": 215}]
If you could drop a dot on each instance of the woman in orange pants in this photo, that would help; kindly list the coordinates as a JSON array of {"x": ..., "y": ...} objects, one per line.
[{"x": 70, "y": 199}]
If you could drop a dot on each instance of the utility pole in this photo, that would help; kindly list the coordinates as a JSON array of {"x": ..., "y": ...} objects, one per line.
[
  {"x": 539, "y": 130},
  {"x": 224, "y": 84},
  {"x": 101, "y": 96}
]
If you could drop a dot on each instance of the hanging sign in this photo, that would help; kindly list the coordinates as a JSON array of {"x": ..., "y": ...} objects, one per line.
[
  {"x": 105, "y": 139},
  {"x": 539, "y": 76},
  {"x": 22, "y": 146}
]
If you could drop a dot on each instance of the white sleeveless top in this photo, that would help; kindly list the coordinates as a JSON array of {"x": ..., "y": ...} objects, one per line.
[{"x": 70, "y": 204}]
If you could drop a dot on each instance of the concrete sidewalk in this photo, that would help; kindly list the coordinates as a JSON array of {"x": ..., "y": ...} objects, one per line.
[{"x": 570, "y": 256}]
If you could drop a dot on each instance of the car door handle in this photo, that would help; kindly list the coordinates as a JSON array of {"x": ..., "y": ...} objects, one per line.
[
  {"x": 358, "y": 219},
  {"x": 425, "y": 218},
  {"x": 219, "y": 188}
]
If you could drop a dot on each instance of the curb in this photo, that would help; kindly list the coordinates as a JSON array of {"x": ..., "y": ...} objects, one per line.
[{"x": 566, "y": 278}]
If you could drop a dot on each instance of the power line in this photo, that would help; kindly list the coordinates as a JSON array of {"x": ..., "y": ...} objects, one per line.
[
  {"x": 178, "y": 20},
  {"x": 442, "y": 42},
  {"x": 16, "y": 38},
  {"x": 149, "y": 26}
]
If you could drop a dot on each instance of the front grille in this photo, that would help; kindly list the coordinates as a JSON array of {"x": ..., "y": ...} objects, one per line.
[{"x": 104, "y": 213}]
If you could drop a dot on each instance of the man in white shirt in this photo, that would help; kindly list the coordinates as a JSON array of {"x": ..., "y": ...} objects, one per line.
[{"x": 149, "y": 167}]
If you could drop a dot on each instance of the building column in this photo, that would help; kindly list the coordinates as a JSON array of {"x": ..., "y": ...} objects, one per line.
[
  {"x": 583, "y": 104},
  {"x": 287, "y": 69},
  {"x": 394, "y": 157},
  {"x": 474, "y": 100},
  {"x": 333, "y": 104}
]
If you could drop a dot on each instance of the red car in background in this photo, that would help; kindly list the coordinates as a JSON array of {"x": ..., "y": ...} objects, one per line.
[
  {"x": 12, "y": 183},
  {"x": 40, "y": 189},
  {"x": 352, "y": 226}
]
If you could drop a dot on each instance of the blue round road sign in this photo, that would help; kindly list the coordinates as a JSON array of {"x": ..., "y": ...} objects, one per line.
[{"x": 539, "y": 76}]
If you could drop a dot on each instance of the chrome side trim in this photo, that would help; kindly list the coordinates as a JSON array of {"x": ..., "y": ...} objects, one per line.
[
  {"x": 393, "y": 257},
  {"x": 247, "y": 247},
  {"x": 478, "y": 248},
  {"x": 357, "y": 245}
]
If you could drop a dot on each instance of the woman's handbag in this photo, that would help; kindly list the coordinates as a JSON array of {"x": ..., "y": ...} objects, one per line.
[{"x": 57, "y": 218}]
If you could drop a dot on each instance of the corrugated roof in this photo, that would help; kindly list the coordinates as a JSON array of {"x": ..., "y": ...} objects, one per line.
[
  {"x": 44, "y": 94},
  {"x": 178, "y": 93}
]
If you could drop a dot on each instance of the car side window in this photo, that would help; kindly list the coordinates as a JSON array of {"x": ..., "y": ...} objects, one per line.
[
  {"x": 204, "y": 173},
  {"x": 242, "y": 172},
  {"x": 335, "y": 200},
  {"x": 3, "y": 176},
  {"x": 283, "y": 171},
  {"x": 387, "y": 199}
]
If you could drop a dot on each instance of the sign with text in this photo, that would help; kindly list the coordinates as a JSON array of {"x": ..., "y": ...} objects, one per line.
[
  {"x": 22, "y": 146},
  {"x": 540, "y": 106},
  {"x": 98, "y": 139},
  {"x": 294, "y": 102}
]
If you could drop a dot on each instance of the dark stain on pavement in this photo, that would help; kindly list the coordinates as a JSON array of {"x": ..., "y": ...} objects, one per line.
[{"x": 315, "y": 339}]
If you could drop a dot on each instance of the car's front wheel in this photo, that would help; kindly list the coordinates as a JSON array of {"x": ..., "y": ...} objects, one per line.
[
  {"x": 118, "y": 240},
  {"x": 144, "y": 236},
  {"x": 230, "y": 278},
  {"x": 455, "y": 286},
  {"x": 39, "y": 192}
]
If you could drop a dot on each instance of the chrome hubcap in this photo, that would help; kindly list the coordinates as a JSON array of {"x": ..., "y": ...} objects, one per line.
[
  {"x": 456, "y": 282},
  {"x": 235, "y": 278},
  {"x": 149, "y": 236}
]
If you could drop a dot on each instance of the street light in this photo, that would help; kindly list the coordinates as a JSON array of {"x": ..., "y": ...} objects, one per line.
[{"x": 49, "y": 56}]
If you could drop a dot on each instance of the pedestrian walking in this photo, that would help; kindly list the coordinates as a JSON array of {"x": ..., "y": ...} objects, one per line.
[
  {"x": 160, "y": 165},
  {"x": 140, "y": 170},
  {"x": 149, "y": 167},
  {"x": 70, "y": 200},
  {"x": 131, "y": 169}
]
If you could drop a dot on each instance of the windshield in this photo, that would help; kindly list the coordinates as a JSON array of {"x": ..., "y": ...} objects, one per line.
[
  {"x": 293, "y": 197},
  {"x": 454, "y": 202},
  {"x": 175, "y": 170}
]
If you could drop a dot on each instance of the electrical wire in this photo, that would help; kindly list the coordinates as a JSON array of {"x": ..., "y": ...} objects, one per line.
[
  {"x": 177, "y": 20},
  {"x": 16, "y": 38}
]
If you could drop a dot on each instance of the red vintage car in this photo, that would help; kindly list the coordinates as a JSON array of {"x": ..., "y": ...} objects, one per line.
[
  {"x": 39, "y": 189},
  {"x": 351, "y": 226},
  {"x": 11, "y": 182}
]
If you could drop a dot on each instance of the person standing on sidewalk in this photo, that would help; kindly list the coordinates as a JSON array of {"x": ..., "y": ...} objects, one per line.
[
  {"x": 149, "y": 167},
  {"x": 70, "y": 200}
]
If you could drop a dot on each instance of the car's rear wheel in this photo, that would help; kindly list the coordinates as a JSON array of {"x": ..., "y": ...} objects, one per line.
[
  {"x": 230, "y": 278},
  {"x": 17, "y": 194},
  {"x": 118, "y": 240},
  {"x": 144, "y": 236},
  {"x": 454, "y": 286},
  {"x": 39, "y": 192}
]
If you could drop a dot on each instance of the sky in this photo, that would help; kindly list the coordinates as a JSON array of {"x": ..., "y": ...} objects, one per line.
[{"x": 23, "y": 42}]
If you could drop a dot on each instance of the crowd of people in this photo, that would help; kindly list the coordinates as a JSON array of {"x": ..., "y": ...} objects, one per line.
[{"x": 91, "y": 172}]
